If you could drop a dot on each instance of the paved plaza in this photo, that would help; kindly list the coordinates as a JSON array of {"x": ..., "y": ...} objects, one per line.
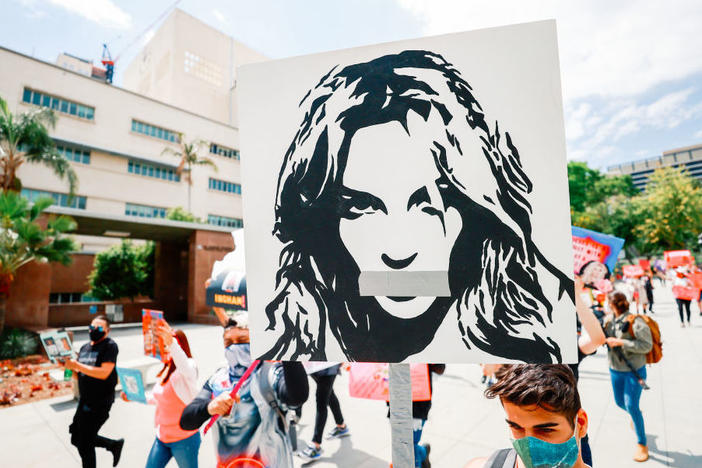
[{"x": 462, "y": 424}]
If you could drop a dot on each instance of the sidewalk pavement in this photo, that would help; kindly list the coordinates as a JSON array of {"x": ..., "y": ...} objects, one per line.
[{"x": 462, "y": 424}]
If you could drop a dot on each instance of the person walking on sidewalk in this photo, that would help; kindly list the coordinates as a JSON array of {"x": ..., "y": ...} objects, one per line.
[
  {"x": 648, "y": 286},
  {"x": 97, "y": 378},
  {"x": 628, "y": 342},
  {"x": 175, "y": 389},
  {"x": 325, "y": 397},
  {"x": 681, "y": 287}
]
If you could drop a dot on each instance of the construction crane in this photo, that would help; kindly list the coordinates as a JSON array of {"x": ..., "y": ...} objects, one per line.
[{"x": 107, "y": 60}]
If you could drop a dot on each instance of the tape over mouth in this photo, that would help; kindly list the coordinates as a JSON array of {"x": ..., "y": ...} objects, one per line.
[{"x": 404, "y": 283}]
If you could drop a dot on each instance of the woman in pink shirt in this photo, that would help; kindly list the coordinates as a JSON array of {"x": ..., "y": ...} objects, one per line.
[{"x": 176, "y": 387}]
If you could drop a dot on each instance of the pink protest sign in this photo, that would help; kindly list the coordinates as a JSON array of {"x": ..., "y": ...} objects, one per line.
[
  {"x": 369, "y": 380},
  {"x": 676, "y": 258}
]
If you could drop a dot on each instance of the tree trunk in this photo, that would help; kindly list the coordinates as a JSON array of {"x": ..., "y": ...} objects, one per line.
[{"x": 3, "y": 305}]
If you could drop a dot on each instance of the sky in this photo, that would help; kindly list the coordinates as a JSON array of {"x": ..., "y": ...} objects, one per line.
[{"x": 631, "y": 70}]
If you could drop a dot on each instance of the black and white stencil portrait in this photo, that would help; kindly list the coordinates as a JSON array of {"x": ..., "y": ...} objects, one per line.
[{"x": 414, "y": 161}]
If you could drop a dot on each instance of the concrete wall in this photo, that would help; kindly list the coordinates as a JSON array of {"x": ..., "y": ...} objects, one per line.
[
  {"x": 191, "y": 65},
  {"x": 28, "y": 304},
  {"x": 72, "y": 278}
]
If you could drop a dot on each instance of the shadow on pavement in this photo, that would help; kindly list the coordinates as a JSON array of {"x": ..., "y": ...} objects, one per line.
[
  {"x": 346, "y": 452},
  {"x": 676, "y": 459},
  {"x": 64, "y": 405}
]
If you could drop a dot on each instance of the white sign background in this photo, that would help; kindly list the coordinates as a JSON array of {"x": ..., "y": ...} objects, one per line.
[{"x": 514, "y": 74}]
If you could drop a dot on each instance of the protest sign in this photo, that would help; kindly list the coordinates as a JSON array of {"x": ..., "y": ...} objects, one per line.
[
  {"x": 390, "y": 172},
  {"x": 57, "y": 345},
  {"x": 153, "y": 344},
  {"x": 645, "y": 264},
  {"x": 632, "y": 271},
  {"x": 676, "y": 258},
  {"x": 687, "y": 293},
  {"x": 696, "y": 279},
  {"x": 591, "y": 246},
  {"x": 132, "y": 384},
  {"x": 227, "y": 286},
  {"x": 369, "y": 380}
]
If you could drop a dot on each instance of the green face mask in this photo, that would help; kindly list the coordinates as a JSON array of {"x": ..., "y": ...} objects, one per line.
[{"x": 535, "y": 453}]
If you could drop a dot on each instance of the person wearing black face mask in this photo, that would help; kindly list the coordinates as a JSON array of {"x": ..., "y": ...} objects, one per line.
[{"x": 97, "y": 378}]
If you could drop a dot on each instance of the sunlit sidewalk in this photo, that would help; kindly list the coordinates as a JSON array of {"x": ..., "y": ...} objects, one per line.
[{"x": 462, "y": 424}]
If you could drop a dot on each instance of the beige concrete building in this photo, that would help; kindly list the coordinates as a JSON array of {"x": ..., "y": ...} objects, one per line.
[
  {"x": 192, "y": 66},
  {"x": 688, "y": 158},
  {"x": 183, "y": 83},
  {"x": 115, "y": 139}
]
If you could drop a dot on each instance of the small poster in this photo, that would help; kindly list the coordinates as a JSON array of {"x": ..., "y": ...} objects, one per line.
[
  {"x": 57, "y": 345},
  {"x": 594, "y": 246},
  {"x": 369, "y": 380},
  {"x": 153, "y": 344},
  {"x": 132, "y": 384}
]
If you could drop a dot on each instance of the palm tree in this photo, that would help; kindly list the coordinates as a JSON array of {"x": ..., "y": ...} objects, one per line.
[
  {"x": 23, "y": 239},
  {"x": 26, "y": 138},
  {"x": 188, "y": 154}
]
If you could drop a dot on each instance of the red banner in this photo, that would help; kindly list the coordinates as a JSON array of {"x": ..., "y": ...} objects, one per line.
[
  {"x": 686, "y": 293},
  {"x": 369, "y": 380},
  {"x": 645, "y": 264}
]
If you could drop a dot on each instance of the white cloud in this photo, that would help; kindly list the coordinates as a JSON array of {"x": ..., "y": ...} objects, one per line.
[
  {"x": 614, "y": 56},
  {"x": 220, "y": 17},
  {"x": 103, "y": 12},
  {"x": 607, "y": 48}
]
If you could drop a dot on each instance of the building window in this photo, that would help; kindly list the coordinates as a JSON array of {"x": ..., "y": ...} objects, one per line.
[
  {"x": 223, "y": 186},
  {"x": 224, "y": 221},
  {"x": 202, "y": 68},
  {"x": 74, "y": 154},
  {"x": 64, "y": 106},
  {"x": 152, "y": 170},
  {"x": 61, "y": 199},
  {"x": 224, "y": 151},
  {"x": 154, "y": 131},
  {"x": 70, "y": 298},
  {"x": 144, "y": 211}
]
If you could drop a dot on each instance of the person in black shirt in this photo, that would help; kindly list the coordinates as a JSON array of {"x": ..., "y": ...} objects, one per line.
[{"x": 97, "y": 378}]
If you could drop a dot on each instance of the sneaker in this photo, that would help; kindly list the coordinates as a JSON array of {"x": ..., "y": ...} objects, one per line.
[
  {"x": 426, "y": 463},
  {"x": 117, "y": 451},
  {"x": 339, "y": 432},
  {"x": 311, "y": 452}
]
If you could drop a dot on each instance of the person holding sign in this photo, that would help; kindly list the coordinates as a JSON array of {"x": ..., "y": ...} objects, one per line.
[
  {"x": 251, "y": 429},
  {"x": 684, "y": 294},
  {"x": 176, "y": 387},
  {"x": 628, "y": 342},
  {"x": 544, "y": 415},
  {"x": 97, "y": 378}
]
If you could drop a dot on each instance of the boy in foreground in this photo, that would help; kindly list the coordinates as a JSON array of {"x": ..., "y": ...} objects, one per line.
[{"x": 543, "y": 412}]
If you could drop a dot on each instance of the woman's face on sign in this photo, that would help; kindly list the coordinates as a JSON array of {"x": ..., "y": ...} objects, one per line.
[{"x": 392, "y": 207}]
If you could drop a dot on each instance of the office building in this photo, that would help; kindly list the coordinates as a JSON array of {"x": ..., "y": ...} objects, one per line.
[{"x": 688, "y": 158}]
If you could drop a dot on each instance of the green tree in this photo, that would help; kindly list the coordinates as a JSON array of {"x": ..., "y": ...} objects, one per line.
[
  {"x": 26, "y": 139},
  {"x": 589, "y": 186},
  {"x": 123, "y": 270},
  {"x": 189, "y": 157},
  {"x": 180, "y": 214},
  {"x": 671, "y": 211},
  {"x": 24, "y": 239},
  {"x": 581, "y": 179}
]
